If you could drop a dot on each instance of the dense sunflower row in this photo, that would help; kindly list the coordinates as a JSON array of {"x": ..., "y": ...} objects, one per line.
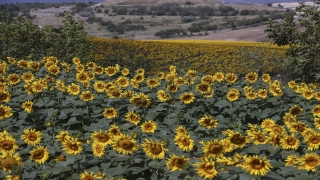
[
  {"x": 87, "y": 121},
  {"x": 205, "y": 56}
]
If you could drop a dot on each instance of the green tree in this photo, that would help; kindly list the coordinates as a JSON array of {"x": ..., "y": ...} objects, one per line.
[{"x": 302, "y": 35}]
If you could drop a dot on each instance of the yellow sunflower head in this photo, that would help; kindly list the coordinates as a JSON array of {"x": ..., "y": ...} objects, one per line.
[
  {"x": 54, "y": 69},
  {"x": 12, "y": 177},
  {"x": 170, "y": 77},
  {"x": 232, "y": 96},
  {"x": 40, "y": 154},
  {"x": 172, "y": 88},
  {"x": 256, "y": 166},
  {"x": 152, "y": 83},
  {"x": 219, "y": 76},
  {"x": 206, "y": 168},
  {"x": 213, "y": 149},
  {"x": 181, "y": 130},
  {"x": 27, "y": 106},
  {"x": 289, "y": 142},
  {"x": 5, "y": 96},
  {"x": 140, "y": 100},
  {"x": 309, "y": 162},
  {"x": 187, "y": 98},
  {"x": 99, "y": 86},
  {"x": 251, "y": 77},
  {"x": 208, "y": 122},
  {"x": 209, "y": 79},
  {"x": 316, "y": 111},
  {"x": 231, "y": 78},
  {"x": 5, "y": 112},
  {"x": 114, "y": 92},
  {"x": 110, "y": 113},
  {"x": 266, "y": 78},
  {"x": 124, "y": 144},
  {"x": 114, "y": 130},
  {"x": 73, "y": 89},
  {"x": 34, "y": 65},
  {"x": 125, "y": 71},
  {"x": 160, "y": 75},
  {"x": 8, "y": 161},
  {"x": 27, "y": 77},
  {"x": 176, "y": 162},
  {"x": 76, "y": 60},
  {"x": 263, "y": 93},
  {"x": 133, "y": 117},
  {"x": 98, "y": 149},
  {"x": 101, "y": 137},
  {"x": 184, "y": 142},
  {"x": 13, "y": 79},
  {"x": 11, "y": 60},
  {"x": 295, "y": 110},
  {"x": 140, "y": 71},
  {"x": 60, "y": 158},
  {"x": 148, "y": 126},
  {"x": 31, "y": 136},
  {"x": 154, "y": 149},
  {"x": 291, "y": 160},
  {"x": 86, "y": 176},
  {"x": 123, "y": 81},
  {"x": 86, "y": 96},
  {"x": 162, "y": 95},
  {"x": 8, "y": 144},
  {"x": 139, "y": 78},
  {"x": 22, "y": 64},
  {"x": 203, "y": 88},
  {"x": 72, "y": 146}
]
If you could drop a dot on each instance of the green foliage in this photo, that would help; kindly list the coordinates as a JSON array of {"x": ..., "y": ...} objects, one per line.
[
  {"x": 22, "y": 38},
  {"x": 303, "y": 37}
]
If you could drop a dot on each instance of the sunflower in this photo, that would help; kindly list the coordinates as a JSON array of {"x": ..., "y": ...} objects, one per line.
[
  {"x": 27, "y": 106},
  {"x": 9, "y": 161},
  {"x": 5, "y": 96},
  {"x": 22, "y": 64},
  {"x": 63, "y": 136},
  {"x": 213, "y": 149},
  {"x": 162, "y": 95},
  {"x": 100, "y": 175},
  {"x": 80, "y": 68},
  {"x": 54, "y": 69},
  {"x": 101, "y": 137},
  {"x": 154, "y": 150},
  {"x": 251, "y": 95},
  {"x": 98, "y": 149},
  {"x": 203, "y": 88},
  {"x": 238, "y": 140},
  {"x": 13, "y": 79},
  {"x": 86, "y": 176},
  {"x": 309, "y": 161},
  {"x": 5, "y": 112},
  {"x": 315, "y": 111},
  {"x": 206, "y": 168},
  {"x": 266, "y": 78},
  {"x": 99, "y": 86},
  {"x": 82, "y": 77},
  {"x": 277, "y": 130},
  {"x": 267, "y": 124},
  {"x": 232, "y": 95},
  {"x": 140, "y": 100},
  {"x": 295, "y": 110},
  {"x": 114, "y": 92},
  {"x": 180, "y": 81},
  {"x": 263, "y": 93},
  {"x": 11, "y": 60},
  {"x": 3, "y": 67},
  {"x": 110, "y": 113},
  {"x": 37, "y": 87},
  {"x": 176, "y": 162},
  {"x": 114, "y": 130},
  {"x": 184, "y": 142},
  {"x": 139, "y": 78},
  {"x": 256, "y": 166},
  {"x": 258, "y": 137},
  {"x": 127, "y": 94},
  {"x": 160, "y": 75},
  {"x": 173, "y": 69},
  {"x": 60, "y": 158},
  {"x": 296, "y": 89},
  {"x": 125, "y": 71},
  {"x": 291, "y": 160},
  {"x": 86, "y": 96},
  {"x": 73, "y": 89},
  {"x": 31, "y": 136},
  {"x": 170, "y": 77},
  {"x": 152, "y": 83},
  {"x": 76, "y": 60},
  {"x": 308, "y": 93},
  {"x": 298, "y": 127},
  {"x": 91, "y": 65},
  {"x": 313, "y": 141},
  {"x": 123, "y": 81},
  {"x": 187, "y": 98},
  {"x": 40, "y": 154},
  {"x": 27, "y": 77},
  {"x": 208, "y": 122},
  {"x": 72, "y": 146},
  {"x": 34, "y": 65},
  {"x": 251, "y": 77},
  {"x": 172, "y": 88},
  {"x": 191, "y": 73},
  {"x": 12, "y": 177},
  {"x": 181, "y": 130},
  {"x": 133, "y": 117},
  {"x": 289, "y": 142},
  {"x": 134, "y": 83},
  {"x": 148, "y": 126},
  {"x": 3, "y": 86},
  {"x": 98, "y": 70},
  {"x": 231, "y": 78},
  {"x": 317, "y": 95},
  {"x": 8, "y": 144},
  {"x": 275, "y": 90},
  {"x": 218, "y": 76},
  {"x": 209, "y": 79},
  {"x": 316, "y": 122},
  {"x": 124, "y": 144}
]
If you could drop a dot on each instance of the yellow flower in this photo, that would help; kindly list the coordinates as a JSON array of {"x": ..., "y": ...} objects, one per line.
[
  {"x": 91, "y": 65},
  {"x": 231, "y": 78},
  {"x": 148, "y": 126},
  {"x": 160, "y": 75},
  {"x": 316, "y": 111},
  {"x": 266, "y": 78},
  {"x": 114, "y": 130},
  {"x": 312, "y": 140},
  {"x": 72, "y": 146},
  {"x": 124, "y": 144},
  {"x": 9, "y": 161},
  {"x": 295, "y": 110},
  {"x": 73, "y": 89},
  {"x": 170, "y": 77},
  {"x": 180, "y": 81},
  {"x": 86, "y": 176},
  {"x": 317, "y": 123},
  {"x": 203, "y": 88},
  {"x": 140, "y": 71},
  {"x": 162, "y": 95},
  {"x": 31, "y": 136},
  {"x": 309, "y": 161},
  {"x": 133, "y": 117},
  {"x": 263, "y": 93},
  {"x": 63, "y": 136},
  {"x": 82, "y": 77},
  {"x": 76, "y": 61},
  {"x": 258, "y": 138},
  {"x": 139, "y": 78},
  {"x": 176, "y": 162},
  {"x": 8, "y": 144},
  {"x": 152, "y": 83},
  {"x": 307, "y": 93},
  {"x": 5, "y": 112},
  {"x": 291, "y": 84},
  {"x": 256, "y": 166},
  {"x": 209, "y": 79},
  {"x": 11, "y": 60},
  {"x": 219, "y": 76},
  {"x": 33, "y": 65},
  {"x": 101, "y": 137},
  {"x": 213, "y": 149},
  {"x": 291, "y": 160},
  {"x": 172, "y": 88},
  {"x": 251, "y": 77},
  {"x": 187, "y": 98},
  {"x": 22, "y": 64},
  {"x": 125, "y": 71},
  {"x": 206, "y": 168},
  {"x": 110, "y": 113},
  {"x": 289, "y": 142},
  {"x": 37, "y": 87},
  {"x": 181, "y": 130},
  {"x": 275, "y": 90},
  {"x": 208, "y": 122},
  {"x": 5, "y": 96},
  {"x": 140, "y": 100},
  {"x": 3, "y": 86},
  {"x": 268, "y": 124},
  {"x": 27, "y": 77},
  {"x": 13, "y": 79},
  {"x": 184, "y": 142},
  {"x": 114, "y": 92},
  {"x": 251, "y": 95},
  {"x": 238, "y": 140},
  {"x": 86, "y": 96},
  {"x": 27, "y": 106},
  {"x": 12, "y": 177},
  {"x": 98, "y": 149},
  {"x": 123, "y": 81},
  {"x": 60, "y": 158},
  {"x": 40, "y": 154},
  {"x": 154, "y": 150},
  {"x": 233, "y": 94},
  {"x": 54, "y": 69},
  {"x": 99, "y": 86}
]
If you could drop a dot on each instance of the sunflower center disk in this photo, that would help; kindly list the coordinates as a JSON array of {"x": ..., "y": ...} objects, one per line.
[
  {"x": 257, "y": 164},
  {"x": 103, "y": 137},
  {"x": 155, "y": 149},
  {"x": 178, "y": 163},
  {"x": 3, "y": 96},
  {"x": 6, "y": 145},
  {"x": 238, "y": 139},
  {"x": 9, "y": 162},
  {"x": 315, "y": 140},
  {"x": 215, "y": 148},
  {"x": 38, "y": 154},
  {"x": 125, "y": 144},
  {"x": 32, "y": 136}
]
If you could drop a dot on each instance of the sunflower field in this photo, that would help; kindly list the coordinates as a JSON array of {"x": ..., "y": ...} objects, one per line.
[
  {"x": 207, "y": 56},
  {"x": 83, "y": 121}
]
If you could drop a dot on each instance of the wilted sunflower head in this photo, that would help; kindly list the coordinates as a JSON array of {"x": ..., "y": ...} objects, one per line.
[
  {"x": 140, "y": 100},
  {"x": 8, "y": 161},
  {"x": 176, "y": 162}
]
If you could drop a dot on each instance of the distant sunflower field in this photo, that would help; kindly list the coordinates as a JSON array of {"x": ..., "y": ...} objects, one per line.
[
  {"x": 207, "y": 56},
  {"x": 78, "y": 120}
]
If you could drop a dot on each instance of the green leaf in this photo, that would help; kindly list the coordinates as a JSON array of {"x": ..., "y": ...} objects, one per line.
[
  {"x": 114, "y": 171},
  {"x": 275, "y": 176},
  {"x": 120, "y": 157},
  {"x": 171, "y": 119},
  {"x": 72, "y": 120},
  {"x": 222, "y": 103},
  {"x": 70, "y": 159},
  {"x": 156, "y": 165},
  {"x": 253, "y": 149},
  {"x": 30, "y": 175}
]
